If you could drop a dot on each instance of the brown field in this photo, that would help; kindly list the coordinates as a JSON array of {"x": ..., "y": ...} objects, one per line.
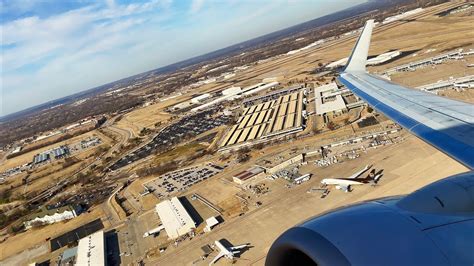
[{"x": 145, "y": 117}]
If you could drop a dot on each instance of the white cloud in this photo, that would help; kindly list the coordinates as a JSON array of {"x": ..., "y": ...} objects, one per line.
[
  {"x": 110, "y": 3},
  {"x": 75, "y": 50},
  {"x": 196, "y": 5},
  {"x": 34, "y": 39},
  {"x": 52, "y": 56}
]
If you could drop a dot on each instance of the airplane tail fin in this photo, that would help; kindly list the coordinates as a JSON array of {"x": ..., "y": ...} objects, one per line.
[{"x": 358, "y": 58}]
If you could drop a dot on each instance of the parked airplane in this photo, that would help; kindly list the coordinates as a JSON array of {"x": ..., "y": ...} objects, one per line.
[
  {"x": 345, "y": 183},
  {"x": 431, "y": 226},
  {"x": 229, "y": 252}
]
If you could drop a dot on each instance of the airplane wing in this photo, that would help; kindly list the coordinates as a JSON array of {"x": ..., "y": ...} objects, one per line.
[
  {"x": 220, "y": 255},
  {"x": 238, "y": 247},
  {"x": 359, "y": 173},
  {"x": 446, "y": 124},
  {"x": 342, "y": 182}
]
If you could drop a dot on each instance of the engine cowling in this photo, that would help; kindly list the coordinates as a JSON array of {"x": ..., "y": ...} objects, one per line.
[{"x": 431, "y": 226}]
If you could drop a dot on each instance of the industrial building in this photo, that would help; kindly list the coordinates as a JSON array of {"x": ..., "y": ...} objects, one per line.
[
  {"x": 49, "y": 216},
  {"x": 259, "y": 87},
  {"x": 379, "y": 59},
  {"x": 45, "y": 156},
  {"x": 402, "y": 15},
  {"x": 465, "y": 82},
  {"x": 435, "y": 60},
  {"x": 273, "y": 95},
  {"x": 91, "y": 250},
  {"x": 41, "y": 158},
  {"x": 235, "y": 93},
  {"x": 232, "y": 91},
  {"x": 269, "y": 119},
  {"x": 200, "y": 98},
  {"x": 295, "y": 160},
  {"x": 328, "y": 98},
  {"x": 60, "y": 152},
  {"x": 175, "y": 218},
  {"x": 249, "y": 175}
]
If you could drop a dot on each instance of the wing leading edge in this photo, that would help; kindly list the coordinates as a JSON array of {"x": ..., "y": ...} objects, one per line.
[{"x": 446, "y": 124}]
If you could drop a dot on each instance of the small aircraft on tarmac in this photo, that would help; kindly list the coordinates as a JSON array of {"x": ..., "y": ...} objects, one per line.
[{"x": 228, "y": 252}]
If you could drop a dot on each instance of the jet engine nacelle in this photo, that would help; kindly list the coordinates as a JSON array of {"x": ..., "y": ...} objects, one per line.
[{"x": 431, "y": 226}]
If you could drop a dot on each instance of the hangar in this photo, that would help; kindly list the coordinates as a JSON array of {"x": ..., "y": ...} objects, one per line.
[
  {"x": 91, "y": 250},
  {"x": 175, "y": 218}
]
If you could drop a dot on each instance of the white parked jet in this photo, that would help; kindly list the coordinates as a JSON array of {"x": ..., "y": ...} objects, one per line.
[
  {"x": 229, "y": 252},
  {"x": 345, "y": 183}
]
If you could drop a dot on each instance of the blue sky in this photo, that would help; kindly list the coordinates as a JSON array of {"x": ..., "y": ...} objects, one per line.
[{"x": 50, "y": 49}]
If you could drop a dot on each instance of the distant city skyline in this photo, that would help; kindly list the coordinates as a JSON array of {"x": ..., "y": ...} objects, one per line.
[{"x": 51, "y": 49}]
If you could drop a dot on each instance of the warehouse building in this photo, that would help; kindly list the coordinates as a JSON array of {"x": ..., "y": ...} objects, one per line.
[
  {"x": 41, "y": 158},
  {"x": 232, "y": 91},
  {"x": 295, "y": 160},
  {"x": 259, "y": 87},
  {"x": 272, "y": 95},
  {"x": 91, "y": 250},
  {"x": 235, "y": 93},
  {"x": 249, "y": 175},
  {"x": 175, "y": 218},
  {"x": 200, "y": 98},
  {"x": 378, "y": 60},
  {"x": 60, "y": 152}
]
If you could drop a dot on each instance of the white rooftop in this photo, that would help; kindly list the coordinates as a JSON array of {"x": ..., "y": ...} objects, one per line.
[
  {"x": 322, "y": 106},
  {"x": 381, "y": 58},
  {"x": 91, "y": 250},
  {"x": 232, "y": 91},
  {"x": 211, "y": 222},
  {"x": 175, "y": 218}
]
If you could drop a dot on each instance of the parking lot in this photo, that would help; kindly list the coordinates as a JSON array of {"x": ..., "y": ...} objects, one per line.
[
  {"x": 180, "y": 180},
  {"x": 188, "y": 126}
]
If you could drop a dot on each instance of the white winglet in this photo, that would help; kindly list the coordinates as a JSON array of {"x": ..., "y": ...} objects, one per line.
[{"x": 358, "y": 58}]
